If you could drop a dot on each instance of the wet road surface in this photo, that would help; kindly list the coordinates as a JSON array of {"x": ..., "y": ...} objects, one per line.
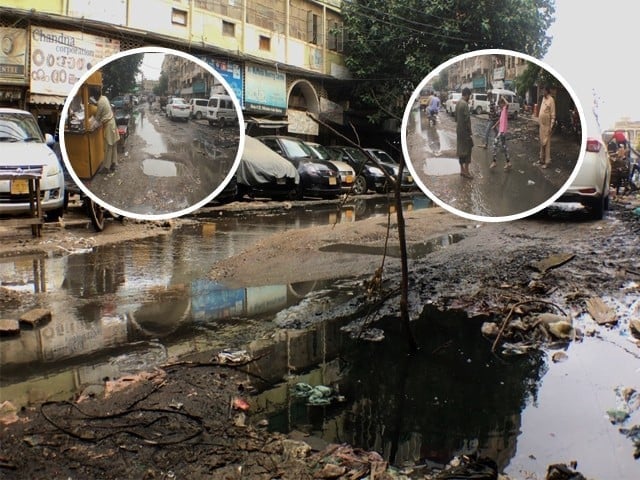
[
  {"x": 124, "y": 308},
  {"x": 167, "y": 166},
  {"x": 492, "y": 192}
]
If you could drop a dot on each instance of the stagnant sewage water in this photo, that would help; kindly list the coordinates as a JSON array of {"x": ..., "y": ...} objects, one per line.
[{"x": 123, "y": 308}]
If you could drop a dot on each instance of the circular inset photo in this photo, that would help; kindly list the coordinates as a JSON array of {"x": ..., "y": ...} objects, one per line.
[
  {"x": 493, "y": 135},
  {"x": 151, "y": 133}
]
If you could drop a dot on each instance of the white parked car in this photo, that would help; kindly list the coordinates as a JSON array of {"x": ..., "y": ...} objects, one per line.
[
  {"x": 23, "y": 145},
  {"x": 591, "y": 185},
  {"x": 178, "y": 108},
  {"x": 479, "y": 103},
  {"x": 345, "y": 171},
  {"x": 452, "y": 101}
]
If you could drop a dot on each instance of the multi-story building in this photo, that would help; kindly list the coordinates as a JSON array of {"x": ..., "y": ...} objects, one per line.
[
  {"x": 282, "y": 58},
  {"x": 482, "y": 72}
]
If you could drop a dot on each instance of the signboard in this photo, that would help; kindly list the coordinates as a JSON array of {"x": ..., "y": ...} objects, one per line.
[
  {"x": 13, "y": 54},
  {"x": 231, "y": 72},
  {"x": 498, "y": 73},
  {"x": 479, "y": 82},
  {"x": 265, "y": 90},
  {"x": 59, "y": 58}
]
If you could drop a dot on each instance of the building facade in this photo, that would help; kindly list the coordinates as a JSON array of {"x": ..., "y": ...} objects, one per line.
[{"x": 282, "y": 58}]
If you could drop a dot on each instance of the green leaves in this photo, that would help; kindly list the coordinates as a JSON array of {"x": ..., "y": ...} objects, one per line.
[{"x": 392, "y": 44}]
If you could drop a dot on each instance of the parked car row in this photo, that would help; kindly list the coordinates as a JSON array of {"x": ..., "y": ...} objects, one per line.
[{"x": 324, "y": 172}]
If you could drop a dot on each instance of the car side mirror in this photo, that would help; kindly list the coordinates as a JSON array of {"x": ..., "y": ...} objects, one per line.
[{"x": 49, "y": 140}]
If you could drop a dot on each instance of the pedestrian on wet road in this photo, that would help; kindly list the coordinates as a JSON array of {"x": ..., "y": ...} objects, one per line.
[
  {"x": 547, "y": 119},
  {"x": 104, "y": 115},
  {"x": 493, "y": 117},
  {"x": 501, "y": 139},
  {"x": 463, "y": 133}
]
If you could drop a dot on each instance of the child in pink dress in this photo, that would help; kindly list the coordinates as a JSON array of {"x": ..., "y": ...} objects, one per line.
[{"x": 501, "y": 138}]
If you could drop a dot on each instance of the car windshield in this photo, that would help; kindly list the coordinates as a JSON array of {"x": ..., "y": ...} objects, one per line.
[
  {"x": 178, "y": 101},
  {"x": 19, "y": 127},
  {"x": 320, "y": 152},
  {"x": 356, "y": 154},
  {"x": 383, "y": 156},
  {"x": 296, "y": 149}
]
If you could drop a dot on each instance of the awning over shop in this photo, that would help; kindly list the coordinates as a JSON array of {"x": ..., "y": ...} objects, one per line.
[{"x": 46, "y": 99}]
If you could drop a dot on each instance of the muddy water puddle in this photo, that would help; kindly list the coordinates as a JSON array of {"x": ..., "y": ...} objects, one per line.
[
  {"x": 453, "y": 397},
  {"x": 160, "y": 168}
]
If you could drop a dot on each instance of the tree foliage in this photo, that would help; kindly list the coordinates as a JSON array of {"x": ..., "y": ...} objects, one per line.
[
  {"x": 392, "y": 45},
  {"x": 119, "y": 76}
]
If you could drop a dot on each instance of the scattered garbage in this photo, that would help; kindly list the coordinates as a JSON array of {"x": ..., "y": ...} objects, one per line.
[
  {"x": 601, "y": 312},
  {"x": 627, "y": 403},
  {"x": 564, "y": 472},
  {"x": 316, "y": 396},
  {"x": 552, "y": 261},
  {"x": 233, "y": 357},
  {"x": 238, "y": 403}
]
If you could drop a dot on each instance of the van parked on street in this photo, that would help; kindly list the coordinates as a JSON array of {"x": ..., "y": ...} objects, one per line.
[
  {"x": 221, "y": 110},
  {"x": 198, "y": 108}
]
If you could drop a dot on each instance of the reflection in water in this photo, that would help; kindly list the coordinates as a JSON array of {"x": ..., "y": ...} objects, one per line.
[
  {"x": 452, "y": 397},
  {"x": 159, "y": 168},
  {"x": 416, "y": 250}
]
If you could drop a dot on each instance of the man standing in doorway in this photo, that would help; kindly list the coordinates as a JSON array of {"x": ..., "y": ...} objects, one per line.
[
  {"x": 104, "y": 115},
  {"x": 546, "y": 118},
  {"x": 463, "y": 133}
]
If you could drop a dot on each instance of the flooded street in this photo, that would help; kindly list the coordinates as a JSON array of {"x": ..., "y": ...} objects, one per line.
[
  {"x": 492, "y": 192},
  {"x": 167, "y": 165},
  {"x": 128, "y": 307}
]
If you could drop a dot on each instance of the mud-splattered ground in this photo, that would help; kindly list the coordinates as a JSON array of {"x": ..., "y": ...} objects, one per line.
[
  {"x": 185, "y": 421},
  {"x": 166, "y": 166}
]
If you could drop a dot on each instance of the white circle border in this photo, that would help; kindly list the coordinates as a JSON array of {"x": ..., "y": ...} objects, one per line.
[
  {"x": 167, "y": 51},
  {"x": 471, "y": 216}
]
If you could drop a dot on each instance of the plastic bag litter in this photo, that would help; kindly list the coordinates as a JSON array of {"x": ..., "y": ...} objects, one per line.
[{"x": 318, "y": 395}]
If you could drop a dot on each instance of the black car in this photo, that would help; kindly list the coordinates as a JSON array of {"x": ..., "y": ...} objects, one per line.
[
  {"x": 368, "y": 176},
  {"x": 391, "y": 166},
  {"x": 318, "y": 178}
]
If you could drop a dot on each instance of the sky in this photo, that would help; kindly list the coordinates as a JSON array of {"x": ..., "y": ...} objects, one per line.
[
  {"x": 152, "y": 65},
  {"x": 595, "y": 49}
]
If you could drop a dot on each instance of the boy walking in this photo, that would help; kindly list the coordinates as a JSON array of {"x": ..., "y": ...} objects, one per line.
[{"x": 501, "y": 138}]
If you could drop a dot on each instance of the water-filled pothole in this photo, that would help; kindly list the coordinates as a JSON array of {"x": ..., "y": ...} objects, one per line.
[{"x": 154, "y": 167}]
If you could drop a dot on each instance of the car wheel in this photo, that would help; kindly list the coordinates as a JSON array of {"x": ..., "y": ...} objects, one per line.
[
  {"x": 223, "y": 122},
  {"x": 515, "y": 115},
  {"x": 360, "y": 185},
  {"x": 210, "y": 123},
  {"x": 478, "y": 110},
  {"x": 198, "y": 115},
  {"x": 598, "y": 208},
  {"x": 96, "y": 214}
]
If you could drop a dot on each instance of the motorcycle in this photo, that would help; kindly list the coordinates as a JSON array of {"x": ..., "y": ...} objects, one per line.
[{"x": 433, "y": 118}]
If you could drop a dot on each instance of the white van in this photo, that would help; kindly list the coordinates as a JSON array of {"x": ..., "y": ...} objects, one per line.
[
  {"x": 198, "y": 108},
  {"x": 509, "y": 96},
  {"x": 221, "y": 110}
]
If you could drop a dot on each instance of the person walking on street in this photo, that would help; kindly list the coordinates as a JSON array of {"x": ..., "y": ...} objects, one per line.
[
  {"x": 434, "y": 107},
  {"x": 493, "y": 117},
  {"x": 547, "y": 119},
  {"x": 104, "y": 115},
  {"x": 501, "y": 138},
  {"x": 463, "y": 133}
]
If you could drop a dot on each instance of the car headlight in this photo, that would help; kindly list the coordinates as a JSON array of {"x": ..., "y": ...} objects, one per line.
[{"x": 52, "y": 170}]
